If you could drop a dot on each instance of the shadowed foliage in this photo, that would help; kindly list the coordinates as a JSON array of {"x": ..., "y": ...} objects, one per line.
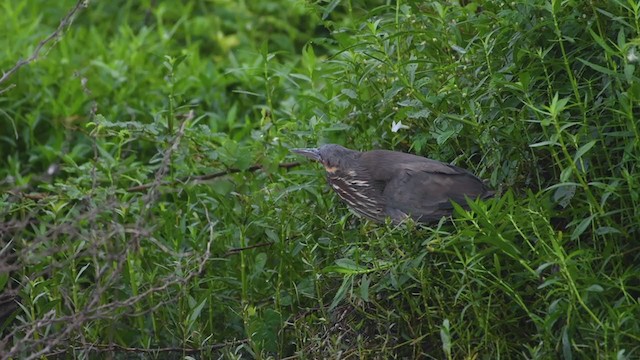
[{"x": 150, "y": 205}]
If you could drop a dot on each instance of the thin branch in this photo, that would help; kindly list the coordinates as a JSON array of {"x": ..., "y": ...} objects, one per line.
[
  {"x": 144, "y": 187},
  {"x": 115, "y": 347},
  {"x": 66, "y": 21},
  {"x": 237, "y": 250}
]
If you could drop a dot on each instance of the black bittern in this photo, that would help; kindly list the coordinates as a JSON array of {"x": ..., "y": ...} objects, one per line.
[{"x": 380, "y": 183}]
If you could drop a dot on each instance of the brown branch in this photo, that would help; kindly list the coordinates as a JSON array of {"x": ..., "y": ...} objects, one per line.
[
  {"x": 143, "y": 187},
  {"x": 234, "y": 251},
  {"x": 112, "y": 347},
  {"x": 218, "y": 174},
  {"x": 66, "y": 21}
]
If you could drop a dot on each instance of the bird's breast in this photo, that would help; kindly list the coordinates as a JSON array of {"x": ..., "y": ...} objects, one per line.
[
  {"x": 331, "y": 169},
  {"x": 359, "y": 195}
]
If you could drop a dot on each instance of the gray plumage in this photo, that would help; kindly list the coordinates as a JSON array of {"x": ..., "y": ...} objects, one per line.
[{"x": 381, "y": 183}]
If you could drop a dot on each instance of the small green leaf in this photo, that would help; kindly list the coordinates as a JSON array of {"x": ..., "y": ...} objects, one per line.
[
  {"x": 411, "y": 69},
  {"x": 346, "y": 266},
  {"x": 309, "y": 58},
  {"x": 195, "y": 313},
  {"x": 600, "y": 41},
  {"x": 222, "y": 187},
  {"x": 584, "y": 224},
  {"x": 445, "y": 336},
  {"x": 329, "y": 8},
  {"x": 4, "y": 278},
  {"x": 566, "y": 344},
  {"x": 364, "y": 288},
  {"x": 634, "y": 91},
  {"x": 337, "y": 127},
  {"x": 544, "y": 143},
  {"x": 564, "y": 194},
  {"x": 557, "y": 105},
  {"x": 548, "y": 282},
  {"x": 600, "y": 69},
  {"x": 349, "y": 93},
  {"x": 347, "y": 282},
  {"x": 565, "y": 174},
  {"x": 259, "y": 263},
  {"x": 629, "y": 70},
  {"x": 604, "y": 230},
  {"x": 583, "y": 150},
  {"x": 595, "y": 288}
]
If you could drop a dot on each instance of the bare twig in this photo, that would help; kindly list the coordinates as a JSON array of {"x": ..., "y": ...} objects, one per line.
[
  {"x": 237, "y": 250},
  {"x": 141, "y": 188},
  {"x": 66, "y": 21},
  {"x": 205, "y": 177},
  {"x": 115, "y": 347}
]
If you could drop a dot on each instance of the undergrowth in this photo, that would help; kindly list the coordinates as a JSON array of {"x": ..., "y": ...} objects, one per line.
[{"x": 151, "y": 208}]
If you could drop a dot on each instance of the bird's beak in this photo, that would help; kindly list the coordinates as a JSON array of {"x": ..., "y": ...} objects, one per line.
[{"x": 311, "y": 153}]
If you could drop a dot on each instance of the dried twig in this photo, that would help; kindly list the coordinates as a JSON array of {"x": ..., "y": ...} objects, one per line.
[
  {"x": 66, "y": 21},
  {"x": 237, "y": 250},
  {"x": 144, "y": 187},
  {"x": 116, "y": 348}
]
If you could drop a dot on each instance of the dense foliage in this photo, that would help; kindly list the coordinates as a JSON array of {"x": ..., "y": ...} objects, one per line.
[{"x": 150, "y": 205}]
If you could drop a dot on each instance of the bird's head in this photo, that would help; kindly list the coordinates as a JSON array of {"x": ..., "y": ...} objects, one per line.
[{"x": 333, "y": 157}]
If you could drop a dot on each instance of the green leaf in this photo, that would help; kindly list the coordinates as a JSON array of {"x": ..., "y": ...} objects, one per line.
[
  {"x": 566, "y": 344},
  {"x": 346, "y": 266},
  {"x": 445, "y": 337},
  {"x": 595, "y": 288},
  {"x": 411, "y": 69},
  {"x": 600, "y": 41},
  {"x": 600, "y": 69},
  {"x": 264, "y": 329},
  {"x": 584, "y": 224},
  {"x": 583, "y": 150},
  {"x": 4, "y": 278},
  {"x": 564, "y": 194},
  {"x": 634, "y": 91},
  {"x": 309, "y": 58},
  {"x": 329, "y": 8},
  {"x": 629, "y": 70},
  {"x": 544, "y": 143},
  {"x": 364, "y": 287},
  {"x": 259, "y": 263},
  {"x": 195, "y": 313},
  {"x": 222, "y": 187},
  {"x": 338, "y": 127},
  {"x": 349, "y": 93},
  {"x": 565, "y": 174},
  {"x": 548, "y": 282},
  {"x": 347, "y": 282},
  {"x": 604, "y": 230},
  {"x": 557, "y": 105}
]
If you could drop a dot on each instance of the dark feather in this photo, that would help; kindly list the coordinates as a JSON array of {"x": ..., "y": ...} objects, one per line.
[
  {"x": 419, "y": 187},
  {"x": 381, "y": 183}
]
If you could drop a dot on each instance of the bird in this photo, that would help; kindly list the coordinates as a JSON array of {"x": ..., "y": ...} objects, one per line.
[{"x": 381, "y": 184}]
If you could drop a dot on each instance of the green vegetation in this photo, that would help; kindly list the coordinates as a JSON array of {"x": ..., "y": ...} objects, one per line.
[{"x": 120, "y": 239}]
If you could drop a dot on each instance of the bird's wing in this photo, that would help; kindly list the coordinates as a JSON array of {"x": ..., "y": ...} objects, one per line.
[{"x": 424, "y": 190}]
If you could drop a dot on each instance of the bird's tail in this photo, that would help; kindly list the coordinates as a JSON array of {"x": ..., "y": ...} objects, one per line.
[{"x": 488, "y": 194}]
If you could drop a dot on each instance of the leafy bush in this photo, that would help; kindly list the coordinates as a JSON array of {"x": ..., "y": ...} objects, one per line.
[{"x": 150, "y": 204}]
